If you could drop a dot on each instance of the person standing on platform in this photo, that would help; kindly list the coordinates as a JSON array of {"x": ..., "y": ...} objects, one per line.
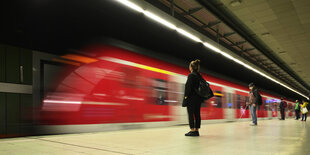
[
  {"x": 253, "y": 102},
  {"x": 192, "y": 100},
  {"x": 297, "y": 110},
  {"x": 303, "y": 112},
  {"x": 282, "y": 106}
]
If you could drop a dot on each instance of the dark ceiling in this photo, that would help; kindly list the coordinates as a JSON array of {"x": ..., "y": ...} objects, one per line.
[{"x": 64, "y": 26}]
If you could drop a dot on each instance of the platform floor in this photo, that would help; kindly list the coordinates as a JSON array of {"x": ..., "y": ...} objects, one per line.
[{"x": 272, "y": 137}]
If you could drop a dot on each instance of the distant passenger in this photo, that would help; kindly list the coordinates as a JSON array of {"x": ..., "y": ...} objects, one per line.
[
  {"x": 297, "y": 109},
  {"x": 282, "y": 106},
  {"x": 191, "y": 99},
  {"x": 304, "y": 111},
  {"x": 308, "y": 107},
  {"x": 253, "y": 102}
]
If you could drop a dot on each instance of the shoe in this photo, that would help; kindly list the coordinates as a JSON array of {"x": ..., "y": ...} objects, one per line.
[
  {"x": 197, "y": 133},
  {"x": 189, "y": 133},
  {"x": 253, "y": 124},
  {"x": 192, "y": 133}
]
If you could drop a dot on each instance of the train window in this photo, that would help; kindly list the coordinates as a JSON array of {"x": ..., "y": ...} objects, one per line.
[
  {"x": 289, "y": 107},
  {"x": 270, "y": 106},
  {"x": 229, "y": 100},
  {"x": 218, "y": 100},
  {"x": 160, "y": 88},
  {"x": 238, "y": 101},
  {"x": 265, "y": 105},
  {"x": 247, "y": 100},
  {"x": 173, "y": 94}
]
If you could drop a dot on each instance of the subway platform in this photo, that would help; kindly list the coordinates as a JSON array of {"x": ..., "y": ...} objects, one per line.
[{"x": 270, "y": 137}]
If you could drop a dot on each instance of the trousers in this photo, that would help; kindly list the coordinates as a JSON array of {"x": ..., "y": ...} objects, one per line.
[
  {"x": 253, "y": 113},
  {"x": 282, "y": 113},
  {"x": 194, "y": 117}
]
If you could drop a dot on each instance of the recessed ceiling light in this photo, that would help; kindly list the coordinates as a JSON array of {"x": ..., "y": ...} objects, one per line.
[
  {"x": 265, "y": 34},
  {"x": 235, "y": 3}
]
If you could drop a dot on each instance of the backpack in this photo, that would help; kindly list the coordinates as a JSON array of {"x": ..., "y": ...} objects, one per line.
[
  {"x": 284, "y": 104},
  {"x": 204, "y": 90},
  {"x": 260, "y": 100}
]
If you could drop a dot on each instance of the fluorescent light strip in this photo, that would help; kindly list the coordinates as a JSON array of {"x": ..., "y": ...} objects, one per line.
[
  {"x": 249, "y": 67},
  {"x": 187, "y": 34},
  {"x": 160, "y": 20},
  {"x": 191, "y": 36},
  {"x": 131, "y": 5}
]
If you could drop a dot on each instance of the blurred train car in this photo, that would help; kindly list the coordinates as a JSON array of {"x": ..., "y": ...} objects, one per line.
[{"x": 117, "y": 88}]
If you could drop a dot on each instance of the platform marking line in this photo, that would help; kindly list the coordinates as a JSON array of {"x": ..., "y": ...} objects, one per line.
[{"x": 94, "y": 148}]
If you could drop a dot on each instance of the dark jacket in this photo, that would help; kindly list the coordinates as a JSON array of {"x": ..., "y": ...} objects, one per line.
[
  {"x": 191, "y": 98},
  {"x": 283, "y": 104},
  {"x": 253, "y": 96}
]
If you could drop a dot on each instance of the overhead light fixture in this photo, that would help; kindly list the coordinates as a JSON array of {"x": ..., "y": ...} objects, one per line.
[{"x": 195, "y": 38}]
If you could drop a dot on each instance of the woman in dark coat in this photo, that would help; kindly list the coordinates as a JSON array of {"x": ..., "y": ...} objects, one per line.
[{"x": 191, "y": 99}]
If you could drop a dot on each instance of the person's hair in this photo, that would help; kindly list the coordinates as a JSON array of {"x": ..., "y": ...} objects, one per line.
[
  {"x": 251, "y": 84},
  {"x": 195, "y": 65}
]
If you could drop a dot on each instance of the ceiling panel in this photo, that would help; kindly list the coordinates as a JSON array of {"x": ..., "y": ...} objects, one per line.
[{"x": 283, "y": 25}]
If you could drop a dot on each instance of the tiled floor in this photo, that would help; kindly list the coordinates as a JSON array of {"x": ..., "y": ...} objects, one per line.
[{"x": 272, "y": 137}]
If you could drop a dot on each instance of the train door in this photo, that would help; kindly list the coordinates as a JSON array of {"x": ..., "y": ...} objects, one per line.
[
  {"x": 266, "y": 107},
  {"x": 178, "y": 113},
  {"x": 289, "y": 109},
  {"x": 293, "y": 109},
  {"x": 269, "y": 106},
  {"x": 229, "y": 104},
  {"x": 213, "y": 108},
  {"x": 241, "y": 109},
  {"x": 274, "y": 108},
  {"x": 155, "y": 108},
  {"x": 262, "y": 110}
]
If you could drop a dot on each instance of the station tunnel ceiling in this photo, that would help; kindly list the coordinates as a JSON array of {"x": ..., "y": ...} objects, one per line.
[{"x": 64, "y": 26}]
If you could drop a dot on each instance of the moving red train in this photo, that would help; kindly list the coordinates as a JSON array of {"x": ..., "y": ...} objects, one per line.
[{"x": 119, "y": 87}]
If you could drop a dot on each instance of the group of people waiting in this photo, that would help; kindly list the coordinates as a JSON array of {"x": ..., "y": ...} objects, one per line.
[
  {"x": 301, "y": 107},
  {"x": 193, "y": 101}
]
